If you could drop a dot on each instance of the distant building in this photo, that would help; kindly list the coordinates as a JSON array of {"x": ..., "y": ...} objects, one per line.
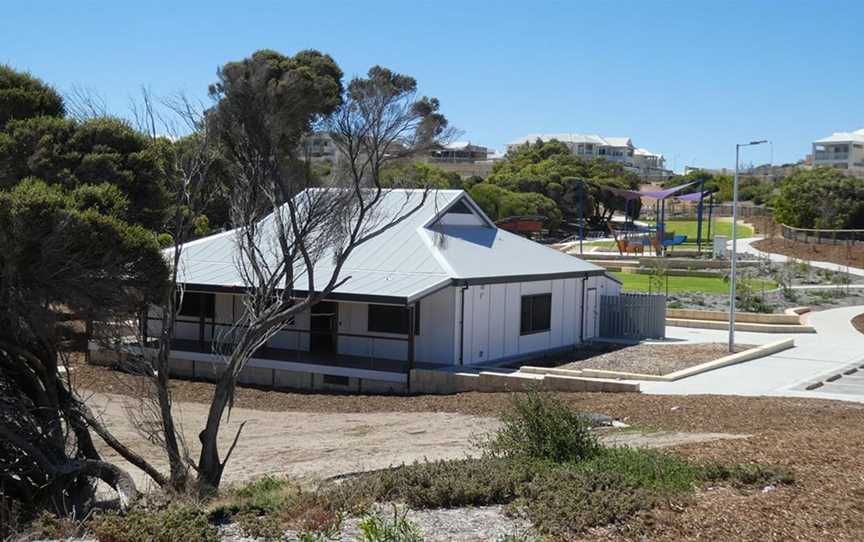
[
  {"x": 464, "y": 158},
  {"x": 649, "y": 166},
  {"x": 765, "y": 172},
  {"x": 841, "y": 150},
  {"x": 460, "y": 151}
]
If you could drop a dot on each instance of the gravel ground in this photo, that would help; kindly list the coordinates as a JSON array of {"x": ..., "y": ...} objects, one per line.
[
  {"x": 820, "y": 441},
  {"x": 655, "y": 359}
]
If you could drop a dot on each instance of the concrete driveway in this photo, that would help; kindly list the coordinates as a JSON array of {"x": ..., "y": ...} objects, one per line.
[{"x": 835, "y": 348}]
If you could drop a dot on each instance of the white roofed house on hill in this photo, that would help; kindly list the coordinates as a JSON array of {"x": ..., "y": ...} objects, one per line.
[
  {"x": 440, "y": 289},
  {"x": 841, "y": 150}
]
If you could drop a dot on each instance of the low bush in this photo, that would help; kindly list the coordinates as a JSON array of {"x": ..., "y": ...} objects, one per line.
[
  {"x": 443, "y": 484},
  {"x": 176, "y": 522},
  {"x": 746, "y": 474},
  {"x": 538, "y": 426}
]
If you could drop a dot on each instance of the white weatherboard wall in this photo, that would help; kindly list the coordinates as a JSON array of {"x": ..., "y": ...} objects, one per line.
[{"x": 493, "y": 319}]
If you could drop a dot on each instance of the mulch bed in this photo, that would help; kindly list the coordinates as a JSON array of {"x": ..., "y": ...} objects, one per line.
[
  {"x": 858, "y": 322},
  {"x": 820, "y": 441},
  {"x": 654, "y": 359},
  {"x": 852, "y": 256}
]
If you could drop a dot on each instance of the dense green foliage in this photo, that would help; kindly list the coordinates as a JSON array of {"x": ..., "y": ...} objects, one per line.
[
  {"x": 550, "y": 170},
  {"x": 750, "y": 188},
  {"x": 269, "y": 101},
  {"x": 71, "y": 154},
  {"x": 821, "y": 198},
  {"x": 23, "y": 96}
]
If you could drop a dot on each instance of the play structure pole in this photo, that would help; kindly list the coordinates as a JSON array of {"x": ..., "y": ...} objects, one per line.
[
  {"x": 710, "y": 213},
  {"x": 699, "y": 218},
  {"x": 581, "y": 213}
]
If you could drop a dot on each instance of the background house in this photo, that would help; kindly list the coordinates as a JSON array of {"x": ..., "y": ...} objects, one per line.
[
  {"x": 648, "y": 165},
  {"x": 841, "y": 150},
  {"x": 441, "y": 289}
]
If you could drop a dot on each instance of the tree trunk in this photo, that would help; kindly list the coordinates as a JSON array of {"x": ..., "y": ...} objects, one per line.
[{"x": 209, "y": 465}]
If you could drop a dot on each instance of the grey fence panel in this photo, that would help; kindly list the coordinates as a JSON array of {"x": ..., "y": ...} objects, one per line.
[
  {"x": 822, "y": 237},
  {"x": 633, "y": 316}
]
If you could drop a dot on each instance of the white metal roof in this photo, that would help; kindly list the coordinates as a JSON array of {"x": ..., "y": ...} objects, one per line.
[
  {"x": 646, "y": 152},
  {"x": 413, "y": 258},
  {"x": 844, "y": 137},
  {"x": 576, "y": 138}
]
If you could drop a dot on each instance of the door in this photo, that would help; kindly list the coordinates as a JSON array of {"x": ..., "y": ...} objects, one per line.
[
  {"x": 323, "y": 324},
  {"x": 592, "y": 320}
]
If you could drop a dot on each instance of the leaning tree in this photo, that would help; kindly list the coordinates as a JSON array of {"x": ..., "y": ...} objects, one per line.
[
  {"x": 294, "y": 235},
  {"x": 60, "y": 256}
]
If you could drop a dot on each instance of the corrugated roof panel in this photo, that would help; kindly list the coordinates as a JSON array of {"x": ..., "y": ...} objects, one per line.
[{"x": 405, "y": 260}]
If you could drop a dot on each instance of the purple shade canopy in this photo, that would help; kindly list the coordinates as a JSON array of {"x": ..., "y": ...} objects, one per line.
[
  {"x": 657, "y": 194},
  {"x": 695, "y": 196}
]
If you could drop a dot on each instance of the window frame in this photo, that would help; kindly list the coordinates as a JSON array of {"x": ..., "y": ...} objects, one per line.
[
  {"x": 403, "y": 327},
  {"x": 529, "y": 327},
  {"x": 205, "y": 307}
]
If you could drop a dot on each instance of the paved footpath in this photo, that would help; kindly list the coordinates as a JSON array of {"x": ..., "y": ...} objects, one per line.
[
  {"x": 836, "y": 347},
  {"x": 745, "y": 247}
]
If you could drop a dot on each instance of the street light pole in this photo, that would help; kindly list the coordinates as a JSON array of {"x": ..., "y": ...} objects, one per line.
[{"x": 734, "y": 256}]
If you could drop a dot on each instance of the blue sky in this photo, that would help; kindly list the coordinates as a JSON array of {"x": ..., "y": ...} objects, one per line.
[{"x": 687, "y": 79}]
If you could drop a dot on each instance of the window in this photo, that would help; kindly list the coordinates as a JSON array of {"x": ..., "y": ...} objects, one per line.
[
  {"x": 536, "y": 313},
  {"x": 197, "y": 304},
  {"x": 335, "y": 380},
  {"x": 392, "y": 319},
  {"x": 460, "y": 208}
]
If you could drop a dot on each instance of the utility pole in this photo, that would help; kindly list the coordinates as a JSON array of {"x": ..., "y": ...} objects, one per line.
[{"x": 735, "y": 243}]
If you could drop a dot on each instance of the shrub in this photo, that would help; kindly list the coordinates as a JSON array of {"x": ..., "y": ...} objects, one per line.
[
  {"x": 747, "y": 474},
  {"x": 607, "y": 488},
  {"x": 378, "y": 528},
  {"x": 539, "y": 426},
  {"x": 444, "y": 484},
  {"x": 176, "y": 522}
]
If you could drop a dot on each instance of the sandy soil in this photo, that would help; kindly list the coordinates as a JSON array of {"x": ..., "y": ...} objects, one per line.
[
  {"x": 322, "y": 445},
  {"x": 306, "y": 444}
]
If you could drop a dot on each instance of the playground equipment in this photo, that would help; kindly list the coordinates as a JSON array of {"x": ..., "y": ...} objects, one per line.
[{"x": 658, "y": 238}]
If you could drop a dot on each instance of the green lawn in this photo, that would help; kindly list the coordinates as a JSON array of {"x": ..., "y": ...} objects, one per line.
[
  {"x": 705, "y": 285},
  {"x": 720, "y": 227},
  {"x": 688, "y": 228}
]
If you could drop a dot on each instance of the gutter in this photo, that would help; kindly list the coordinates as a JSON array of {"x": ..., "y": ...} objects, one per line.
[{"x": 462, "y": 326}]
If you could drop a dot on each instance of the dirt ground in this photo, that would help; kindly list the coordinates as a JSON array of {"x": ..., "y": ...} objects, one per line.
[
  {"x": 317, "y": 445},
  {"x": 840, "y": 254},
  {"x": 819, "y": 441},
  {"x": 655, "y": 359}
]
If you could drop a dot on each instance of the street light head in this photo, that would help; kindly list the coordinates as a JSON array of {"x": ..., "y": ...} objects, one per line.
[{"x": 758, "y": 142}]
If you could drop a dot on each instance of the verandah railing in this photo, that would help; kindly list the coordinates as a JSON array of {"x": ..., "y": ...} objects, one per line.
[{"x": 294, "y": 344}]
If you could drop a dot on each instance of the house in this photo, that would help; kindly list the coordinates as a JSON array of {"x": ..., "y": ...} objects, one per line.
[
  {"x": 646, "y": 164},
  {"x": 444, "y": 288},
  {"x": 841, "y": 150}
]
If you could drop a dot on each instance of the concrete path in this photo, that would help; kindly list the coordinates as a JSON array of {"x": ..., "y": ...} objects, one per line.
[
  {"x": 745, "y": 247},
  {"x": 835, "y": 347}
]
